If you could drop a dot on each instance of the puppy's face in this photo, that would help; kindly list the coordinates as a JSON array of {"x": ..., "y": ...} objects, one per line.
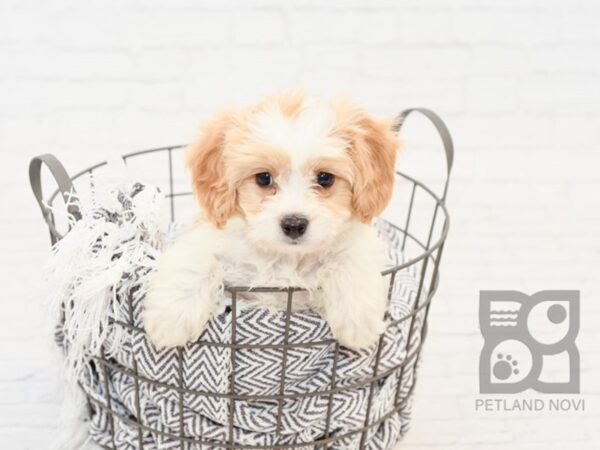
[{"x": 297, "y": 170}]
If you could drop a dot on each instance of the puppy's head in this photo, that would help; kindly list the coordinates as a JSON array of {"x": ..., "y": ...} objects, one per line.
[{"x": 298, "y": 170}]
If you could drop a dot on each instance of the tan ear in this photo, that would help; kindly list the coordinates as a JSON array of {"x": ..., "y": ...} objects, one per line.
[
  {"x": 204, "y": 158},
  {"x": 373, "y": 148}
]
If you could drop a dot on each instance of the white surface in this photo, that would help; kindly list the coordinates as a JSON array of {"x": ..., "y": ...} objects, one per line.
[{"x": 517, "y": 82}]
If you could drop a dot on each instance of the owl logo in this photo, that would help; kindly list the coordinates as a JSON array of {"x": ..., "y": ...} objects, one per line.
[{"x": 529, "y": 342}]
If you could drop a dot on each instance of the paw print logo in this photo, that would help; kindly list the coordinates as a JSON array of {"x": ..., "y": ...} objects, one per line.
[
  {"x": 521, "y": 334},
  {"x": 509, "y": 363},
  {"x": 505, "y": 367}
]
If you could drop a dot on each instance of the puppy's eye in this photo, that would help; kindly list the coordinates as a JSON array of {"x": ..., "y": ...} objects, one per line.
[
  {"x": 325, "y": 179},
  {"x": 264, "y": 179}
]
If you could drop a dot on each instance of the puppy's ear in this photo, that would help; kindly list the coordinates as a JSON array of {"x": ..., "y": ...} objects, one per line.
[
  {"x": 204, "y": 158},
  {"x": 373, "y": 149}
]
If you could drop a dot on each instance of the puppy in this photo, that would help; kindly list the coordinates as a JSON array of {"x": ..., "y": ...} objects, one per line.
[{"x": 288, "y": 189}]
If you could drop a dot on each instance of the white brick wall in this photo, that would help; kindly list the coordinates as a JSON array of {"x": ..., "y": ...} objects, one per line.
[{"x": 516, "y": 80}]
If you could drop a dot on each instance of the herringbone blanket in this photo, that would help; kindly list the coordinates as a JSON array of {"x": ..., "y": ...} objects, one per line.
[{"x": 181, "y": 392}]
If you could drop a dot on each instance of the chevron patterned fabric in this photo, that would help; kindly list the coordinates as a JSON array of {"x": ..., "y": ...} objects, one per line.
[{"x": 187, "y": 392}]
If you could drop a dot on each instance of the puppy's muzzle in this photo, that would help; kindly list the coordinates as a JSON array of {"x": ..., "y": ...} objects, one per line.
[{"x": 294, "y": 226}]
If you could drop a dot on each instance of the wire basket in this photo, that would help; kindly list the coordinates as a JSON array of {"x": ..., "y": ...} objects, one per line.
[{"x": 423, "y": 228}]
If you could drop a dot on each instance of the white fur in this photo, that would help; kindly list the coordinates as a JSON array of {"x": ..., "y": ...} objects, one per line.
[
  {"x": 303, "y": 137},
  {"x": 338, "y": 259},
  {"x": 343, "y": 282}
]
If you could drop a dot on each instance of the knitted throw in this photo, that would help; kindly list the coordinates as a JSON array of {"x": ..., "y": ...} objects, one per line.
[{"x": 99, "y": 274}]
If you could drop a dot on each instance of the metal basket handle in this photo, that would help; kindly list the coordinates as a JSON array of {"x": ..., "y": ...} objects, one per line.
[
  {"x": 442, "y": 131},
  {"x": 65, "y": 187}
]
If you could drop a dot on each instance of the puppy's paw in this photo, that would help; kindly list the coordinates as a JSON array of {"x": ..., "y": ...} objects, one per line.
[
  {"x": 355, "y": 310},
  {"x": 178, "y": 306},
  {"x": 360, "y": 332},
  {"x": 184, "y": 291},
  {"x": 173, "y": 322}
]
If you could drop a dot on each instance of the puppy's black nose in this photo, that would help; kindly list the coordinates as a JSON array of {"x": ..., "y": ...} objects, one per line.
[{"x": 294, "y": 226}]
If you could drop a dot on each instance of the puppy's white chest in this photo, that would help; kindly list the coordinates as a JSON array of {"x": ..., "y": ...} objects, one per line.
[{"x": 255, "y": 271}]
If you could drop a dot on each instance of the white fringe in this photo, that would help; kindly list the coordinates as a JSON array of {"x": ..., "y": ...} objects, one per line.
[{"x": 86, "y": 271}]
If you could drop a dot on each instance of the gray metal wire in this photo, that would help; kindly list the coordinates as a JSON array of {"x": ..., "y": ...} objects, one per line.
[{"x": 427, "y": 259}]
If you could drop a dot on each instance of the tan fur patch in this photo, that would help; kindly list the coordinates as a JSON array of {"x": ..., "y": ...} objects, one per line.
[
  {"x": 373, "y": 149},
  {"x": 204, "y": 157}
]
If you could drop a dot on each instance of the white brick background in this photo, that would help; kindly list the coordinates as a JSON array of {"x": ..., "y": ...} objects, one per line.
[{"x": 518, "y": 82}]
